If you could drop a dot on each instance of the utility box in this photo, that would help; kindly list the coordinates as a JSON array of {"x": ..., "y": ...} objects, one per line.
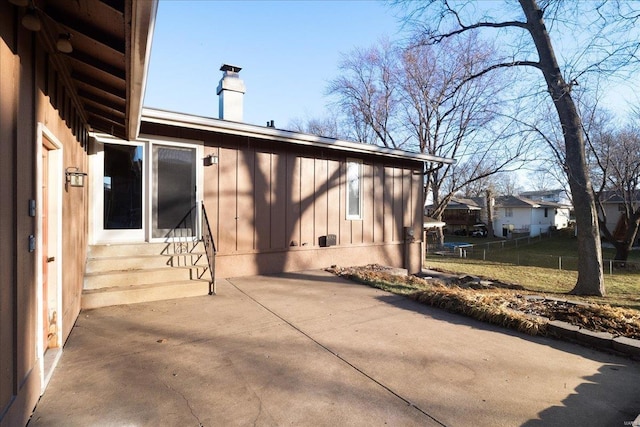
[{"x": 328, "y": 240}]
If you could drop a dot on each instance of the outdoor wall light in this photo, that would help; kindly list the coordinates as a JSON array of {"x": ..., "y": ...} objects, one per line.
[
  {"x": 210, "y": 160},
  {"x": 64, "y": 43},
  {"x": 31, "y": 20},
  {"x": 74, "y": 177}
]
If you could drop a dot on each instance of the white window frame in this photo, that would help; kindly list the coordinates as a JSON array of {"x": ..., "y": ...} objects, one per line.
[
  {"x": 508, "y": 212},
  {"x": 353, "y": 165}
]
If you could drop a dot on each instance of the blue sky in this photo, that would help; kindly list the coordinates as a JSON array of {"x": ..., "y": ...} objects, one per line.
[{"x": 288, "y": 50}]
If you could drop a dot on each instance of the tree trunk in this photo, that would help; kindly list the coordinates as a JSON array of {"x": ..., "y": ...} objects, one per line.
[
  {"x": 623, "y": 248},
  {"x": 622, "y": 251},
  {"x": 590, "y": 275},
  {"x": 490, "y": 214}
]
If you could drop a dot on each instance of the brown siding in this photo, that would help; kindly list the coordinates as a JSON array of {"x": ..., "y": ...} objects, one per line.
[
  {"x": 8, "y": 100},
  {"x": 269, "y": 202},
  {"x": 28, "y": 81},
  {"x": 321, "y": 205}
]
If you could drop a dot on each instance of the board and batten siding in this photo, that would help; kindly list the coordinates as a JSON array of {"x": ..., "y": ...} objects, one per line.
[
  {"x": 275, "y": 203},
  {"x": 269, "y": 202},
  {"x": 33, "y": 97}
]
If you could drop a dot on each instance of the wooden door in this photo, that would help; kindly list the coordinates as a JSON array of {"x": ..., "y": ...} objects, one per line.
[{"x": 45, "y": 247}]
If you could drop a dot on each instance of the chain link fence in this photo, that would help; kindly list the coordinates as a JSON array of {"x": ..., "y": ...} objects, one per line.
[{"x": 507, "y": 252}]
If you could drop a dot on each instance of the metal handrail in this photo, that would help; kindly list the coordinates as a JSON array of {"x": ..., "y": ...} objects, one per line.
[{"x": 210, "y": 250}]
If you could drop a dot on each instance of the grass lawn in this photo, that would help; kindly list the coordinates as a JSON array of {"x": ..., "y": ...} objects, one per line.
[{"x": 623, "y": 287}]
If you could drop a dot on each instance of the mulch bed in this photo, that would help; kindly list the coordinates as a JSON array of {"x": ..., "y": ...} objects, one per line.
[{"x": 499, "y": 303}]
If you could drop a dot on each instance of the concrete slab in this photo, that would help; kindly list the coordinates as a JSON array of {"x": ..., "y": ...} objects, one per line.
[{"x": 312, "y": 349}]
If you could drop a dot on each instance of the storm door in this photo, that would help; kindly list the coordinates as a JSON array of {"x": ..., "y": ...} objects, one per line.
[
  {"x": 123, "y": 172},
  {"x": 173, "y": 193}
]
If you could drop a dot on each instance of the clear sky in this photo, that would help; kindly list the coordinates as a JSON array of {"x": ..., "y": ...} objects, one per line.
[{"x": 288, "y": 51}]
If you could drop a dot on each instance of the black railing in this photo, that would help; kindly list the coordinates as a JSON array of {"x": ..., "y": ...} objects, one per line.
[{"x": 210, "y": 250}]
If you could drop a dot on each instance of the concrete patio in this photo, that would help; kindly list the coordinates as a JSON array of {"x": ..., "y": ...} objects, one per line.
[{"x": 312, "y": 349}]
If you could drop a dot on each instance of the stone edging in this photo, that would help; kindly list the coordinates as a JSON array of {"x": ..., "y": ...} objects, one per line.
[{"x": 599, "y": 340}]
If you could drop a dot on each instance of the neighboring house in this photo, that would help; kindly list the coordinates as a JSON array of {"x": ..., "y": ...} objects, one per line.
[
  {"x": 556, "y": 196},
  {"x": 460, "y": 215},
  {"x": 519, "y": 215},
  {"x": 613, "y": 205},
  {"x": 83, "y": 164}
]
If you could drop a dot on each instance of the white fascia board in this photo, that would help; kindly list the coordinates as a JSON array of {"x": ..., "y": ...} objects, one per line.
[
  {"x": 242, "y": 129},
  {"x": 143, "y": 18}
]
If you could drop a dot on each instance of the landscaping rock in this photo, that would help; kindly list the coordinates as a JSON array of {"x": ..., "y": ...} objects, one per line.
[
  {"x": 563, "y": 329},
  {"x": 628, "y": 346},
  {"x": 596, "y": 339}
]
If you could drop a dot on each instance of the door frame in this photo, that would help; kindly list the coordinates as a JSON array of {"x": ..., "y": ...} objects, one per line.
[
  {"x": 173, "y": 142},
  {"x": 96, "y": 194},
  {"x": 97, "y": 233},
  {"x": 49, "y": 359}
]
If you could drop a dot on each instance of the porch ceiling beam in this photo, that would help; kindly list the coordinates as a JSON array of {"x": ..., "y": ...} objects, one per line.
[
  {"x": 86, "y": 29},
  {"x": 112, "y": 115},
  {"x": 117, "y": 5},
  {"x": 102, "y": 100},
  {"x": 97, "y": 64},
  {"x": 91, "y": 81},
  {"x": 108, "y": 126}
]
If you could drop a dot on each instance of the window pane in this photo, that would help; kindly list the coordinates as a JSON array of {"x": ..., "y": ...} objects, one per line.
[
  {"x": 174, "y": 194},
  {"x": 122, "y": 187},
  {"x": 353, "y": 190}
]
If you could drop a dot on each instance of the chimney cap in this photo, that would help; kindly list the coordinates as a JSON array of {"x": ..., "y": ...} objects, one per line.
[{"x": 232, "y": 68}]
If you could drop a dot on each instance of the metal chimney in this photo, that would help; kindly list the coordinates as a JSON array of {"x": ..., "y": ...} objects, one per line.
[{"x": 230, "y": 94}]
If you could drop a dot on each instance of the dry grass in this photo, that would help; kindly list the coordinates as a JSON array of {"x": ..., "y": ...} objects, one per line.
[
  {"x": 623, "y": 290},
  {"x": 505, "y": 305},
  {"x": 486, "y": 306}
]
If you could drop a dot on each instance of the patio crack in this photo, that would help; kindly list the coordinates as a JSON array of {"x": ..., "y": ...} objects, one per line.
[
  {"x": 344, "y": 360},
  {"x": 183, "y": 398}
]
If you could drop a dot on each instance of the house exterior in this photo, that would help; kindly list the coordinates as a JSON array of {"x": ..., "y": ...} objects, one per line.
[
  {"x": 557, "y": 195},
  {"x": 273, "y": 197},
  {"x": 614, "y": 205},
  {"x": 461, "y": 214},
  {"x": 519, "y": 215},
  {"x": 82, "y": 163},
  {"x": 49, "y": 102}
]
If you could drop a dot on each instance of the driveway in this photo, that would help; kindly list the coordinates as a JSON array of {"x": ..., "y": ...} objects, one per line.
[{"x": 310, "y": 348}]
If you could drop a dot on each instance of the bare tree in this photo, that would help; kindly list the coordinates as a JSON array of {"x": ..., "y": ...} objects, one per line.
[
  {"x": 420, "y": 97},
  {"x": 328, "y": 126},
  {"x": 532, "y": 48},
  {"x": 617, "y": 172}
]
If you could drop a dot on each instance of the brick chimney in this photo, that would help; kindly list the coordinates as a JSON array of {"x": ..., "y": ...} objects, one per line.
[{"x": 230, "y": 93}]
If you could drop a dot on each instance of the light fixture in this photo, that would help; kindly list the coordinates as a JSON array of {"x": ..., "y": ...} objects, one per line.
[
  {"x": 64, "y": 43},
  {"x": 74, "y": 177},
  {"x": 21, "y": 3},
  {"x": 210, "y": 160},
  {"x": 31, "y": 21}
]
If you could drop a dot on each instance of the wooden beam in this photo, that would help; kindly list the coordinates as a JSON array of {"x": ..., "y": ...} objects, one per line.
[
  {"x": 97, "y": 64},
  {"x": 102, "y": 100},
  {"x": 117, "y": 5},
  {"x": 91, "y": 81},
  {"x": 87, "y": 29}
]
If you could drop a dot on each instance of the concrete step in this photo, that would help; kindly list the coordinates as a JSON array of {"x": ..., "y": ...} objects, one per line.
[
  {"x": 94, "y": 298},
  {"x": 141, "y": 262},
  {"x": 115, "y": 278},
  {"x": 136, "y": 249}
]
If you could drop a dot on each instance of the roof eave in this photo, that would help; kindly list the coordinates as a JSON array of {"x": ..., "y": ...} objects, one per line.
[
  {"x": 243, "y": 129},
  {"x": 143, "y": 15}
]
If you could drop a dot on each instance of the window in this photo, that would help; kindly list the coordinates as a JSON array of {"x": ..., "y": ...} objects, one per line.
[
  {"x": 354, "y": 189},
  {"x": 508, "y": 212},
  {"x": 546, "y": 212}
]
